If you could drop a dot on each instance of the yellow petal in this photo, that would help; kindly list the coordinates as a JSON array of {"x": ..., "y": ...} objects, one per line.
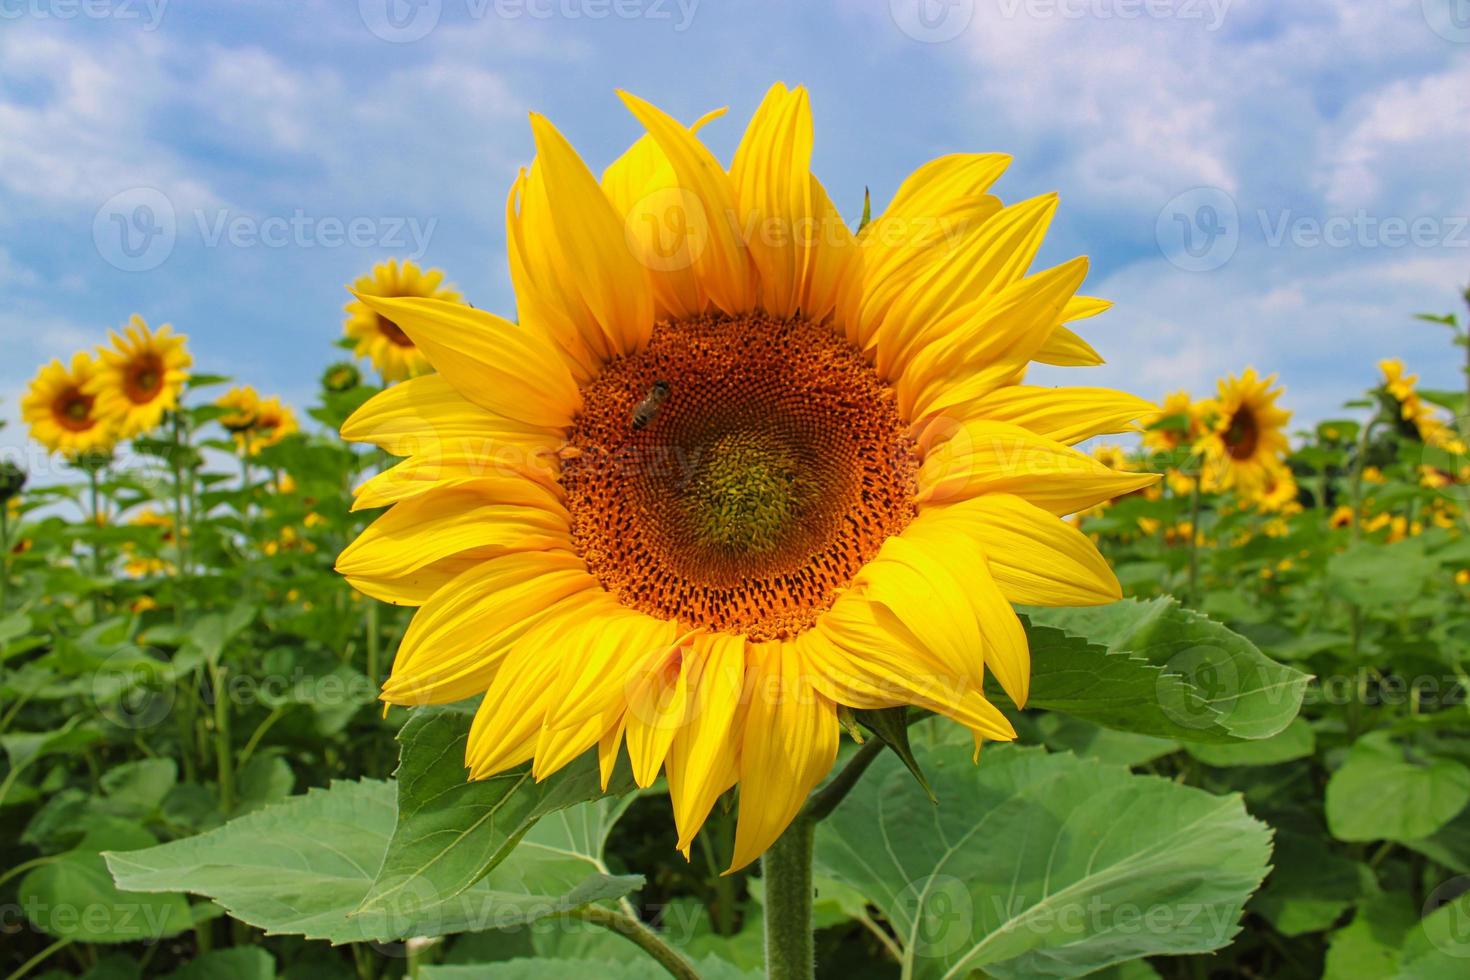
[
  {"x": 701, "y": 762},
  {"x": 706, "y": 206},
  {"x": 1036, "y": 557},
  {"x": 789, "y": 744},
  {"x": 1065, "y": 349},
  {"x": 429, "y": 416},
  {"x": 426, "y": 529},
  {"x": 512, "y": 371},
  {"x": 512, "y": 475},
  {"x": 591, "y": 253},
  {"x": 1067, "y": 415},
  {"x": 658, "y": 705},
  {"x": 456, "y": 639},
  {"x": 980, "y": 457}
]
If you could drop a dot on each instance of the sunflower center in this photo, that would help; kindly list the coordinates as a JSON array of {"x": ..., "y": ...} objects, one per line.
[
  {"x": 393, "y": 332},
  {"x": 144, "y": 379},
  {"x": 1243, "y": 435},
  {"x": 73, "y": 410},
  {"x": 751, "y": 488}
]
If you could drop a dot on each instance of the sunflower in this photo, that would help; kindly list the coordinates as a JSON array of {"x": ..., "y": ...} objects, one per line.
[
  {"x": 1420, "y": 418},
  {"x": 141, "y": 377},
  {"x": 1247, "y": 437},
  {"x": 377, "y": 337},
  {"x": 61, "y": 411},
  {"x": 1277, "y": 493},
  {"x": 255, "y": 422},
  {"x": 138, "y": 564},
  {"x": 725, "y": 477}
]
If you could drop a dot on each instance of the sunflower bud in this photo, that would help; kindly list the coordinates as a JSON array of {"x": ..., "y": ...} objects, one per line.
[
  {"x": 342, "y": 376},
  {"x": 12, "y": 479}
]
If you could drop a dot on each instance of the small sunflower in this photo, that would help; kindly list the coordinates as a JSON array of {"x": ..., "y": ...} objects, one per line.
[
  {"x": 1247, "y": 437},
  {"x": 255, "y": 422},
  {"x": 138, "y": 564},
  {"x": 1277, "y": 494},
  {"x": 722, "y": 480},
  {"x": 61, "y": 411},
  {"x": 1179, "y": 406},
  {"x": 141, "y": 377},
  {"x": 1419, "y": 417},
  {"x": 378, "y": 338}
]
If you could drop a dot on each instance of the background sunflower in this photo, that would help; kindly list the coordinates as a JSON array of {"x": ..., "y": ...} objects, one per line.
[
  {"x": 376, "y": 336},
  {"x": 63, "y": 413},
  {"x": 140, "y": 376}
]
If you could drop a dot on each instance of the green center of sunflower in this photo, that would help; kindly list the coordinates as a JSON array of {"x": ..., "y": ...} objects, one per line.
[
  {"x": 393, "y": 332},
  {"x": 1243, "y": 434},
  {"x": 748, "y": 492}
]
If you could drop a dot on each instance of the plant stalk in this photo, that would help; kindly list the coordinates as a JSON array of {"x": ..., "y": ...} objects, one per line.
[
  {"x": 641, "y": 936},
  {"x": 787, "y": 870}
]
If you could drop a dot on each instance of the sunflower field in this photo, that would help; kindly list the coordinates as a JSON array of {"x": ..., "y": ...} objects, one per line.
[{"x": 731, "y": 608}]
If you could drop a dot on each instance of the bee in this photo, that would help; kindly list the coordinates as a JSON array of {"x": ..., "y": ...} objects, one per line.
[{"x": 644, "y": 411}]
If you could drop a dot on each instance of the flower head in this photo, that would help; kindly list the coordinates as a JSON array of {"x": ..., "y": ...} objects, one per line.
[
  {"x": 255, "y": 422},
  {"x": 377, "y": 337},
  {"x": 742, "y": 472},
  {"x": 1247, "y": 438},
  {"x": 140, "y": 377},
  {"x": 62, "y": 411}
]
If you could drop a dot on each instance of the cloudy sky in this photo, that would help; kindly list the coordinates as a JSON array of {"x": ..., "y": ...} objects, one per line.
[{"x": 1256, "y": 182}]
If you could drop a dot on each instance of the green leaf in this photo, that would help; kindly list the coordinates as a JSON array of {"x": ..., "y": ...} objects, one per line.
[
  {"x": 1384, "y": 792},
  {"x": 1357, "y": 574},
  {"x": 1037, "y": 864},
  {"x": 1368, "y": 948},
  {"x": 1295, "y": 741},
  {"x": 302, "y": 867},
  {"x": 1155, "y": 668},
  {"x": 1439, "y": 948},
  {"x": 891, "y": 726},
  {"x": 75, "y": 898},
  {"x": 1309, "y": 888},
  {"x": 451, "y": 832},
  {"x": 239, "y": 963},
  {"x": 140, "y": 786}
]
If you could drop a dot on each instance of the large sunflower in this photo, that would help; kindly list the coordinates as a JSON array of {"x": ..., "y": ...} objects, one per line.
[
  {"x": 1248, "y": 437},
  {"x": 62, "y": 413},
  {"x": 141, "y": 377},
  {"x": 377, "y": 337},
  {"x": 735, "y": 466}
]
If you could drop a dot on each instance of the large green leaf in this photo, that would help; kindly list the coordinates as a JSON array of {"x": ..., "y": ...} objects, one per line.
[
  {"x": 1388, "y": 792},
  {"x": 1038, "y": 864},
  {"x": 302, "y": 867},
  {"x": 451, "y": 832},
  {"x": 1156, "y": 668}
]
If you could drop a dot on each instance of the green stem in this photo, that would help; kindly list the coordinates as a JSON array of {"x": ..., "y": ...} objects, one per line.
[
  {"x": 1195, "y": 492},
  {"x": 39, "y": 958},
  {"x": 222, "y": 754},
  {"x": 181, "y": 519},
  {"x": 373, "y": 638},
  {"x": 97, "y": 542},
  {"x": 641, "y": 936},
  {"x": 825, "y": 800},
  {"x": 787, "y": 871},
  {"x": 4, "y": 553}
]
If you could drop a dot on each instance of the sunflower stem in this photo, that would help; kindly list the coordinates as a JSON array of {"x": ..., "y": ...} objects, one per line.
[
  {"x": 4, "y": 553},
  {"x": 181, "y": 517},
  {"x": 641, "y": 936},
  {"x": 93, "y": 482},
  {"x": 787, "y": 871},
  {"x": 1195, "y": 492}
]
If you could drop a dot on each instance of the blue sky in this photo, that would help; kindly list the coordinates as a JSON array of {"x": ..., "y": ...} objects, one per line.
[{"x": 1315, "y": 152}]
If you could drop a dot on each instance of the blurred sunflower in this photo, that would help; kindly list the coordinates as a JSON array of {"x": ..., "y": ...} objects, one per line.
[
  {"x": 1278, "y": 492},
  {"x": 1421, "y": 418},
  {"x": 62, "y": 413},
  {"x": 255, "y": 422},
  {"x": 1247, "y": 437},
  {"x": 735, "y": 482},
  {"x": 377, "y": 337},
  {"x": 141, "y": 376},
  {"x": 138, "y": 563},
  {"x": 1189, "y": 417}
]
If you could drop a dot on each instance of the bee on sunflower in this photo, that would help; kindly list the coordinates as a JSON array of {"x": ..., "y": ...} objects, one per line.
[
  {"x": 375, "y": 336},
  {"x": 140, "y": 376},
  {"x": 62, "y": 412},
  {"x": 866, "y": 482},
  {"x": 1247, "y": 438}
]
